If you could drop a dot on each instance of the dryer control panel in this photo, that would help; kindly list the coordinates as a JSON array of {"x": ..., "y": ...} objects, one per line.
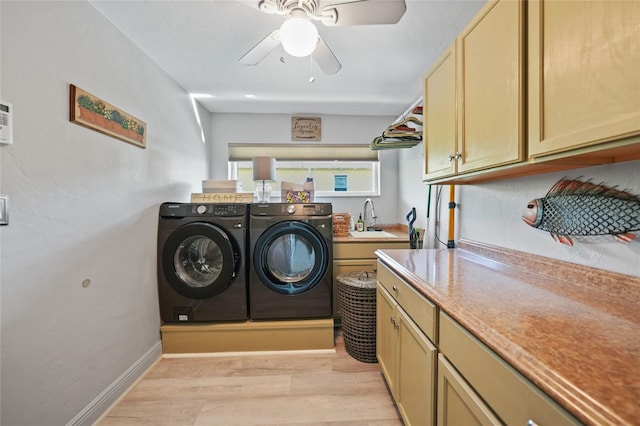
[{"x": 178, "y": 210}]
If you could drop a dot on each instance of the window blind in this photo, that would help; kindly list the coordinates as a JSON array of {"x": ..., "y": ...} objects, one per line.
[{"x": 302, "y": 152}]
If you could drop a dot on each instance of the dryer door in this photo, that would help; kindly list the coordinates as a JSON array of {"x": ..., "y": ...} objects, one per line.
[
  {"x": 291, "y": 257},
  {"x": 200, "y": 260}
]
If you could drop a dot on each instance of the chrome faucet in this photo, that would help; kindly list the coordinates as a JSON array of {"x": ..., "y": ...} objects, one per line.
[{"x": 364, "y": 213}]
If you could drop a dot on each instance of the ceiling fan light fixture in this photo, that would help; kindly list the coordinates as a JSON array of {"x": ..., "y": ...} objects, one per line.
[{"x": 299, "y": 37}]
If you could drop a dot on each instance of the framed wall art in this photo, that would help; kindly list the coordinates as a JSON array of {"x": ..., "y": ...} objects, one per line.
[
  {"x": 94, "y": 113},
  {"x": 306, "y": 128}
]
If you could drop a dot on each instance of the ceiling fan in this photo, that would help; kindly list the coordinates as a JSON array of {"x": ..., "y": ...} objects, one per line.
[{"x": 299, "y": 14}]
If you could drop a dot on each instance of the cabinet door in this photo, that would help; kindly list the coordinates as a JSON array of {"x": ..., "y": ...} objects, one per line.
[
  {"x": 491, "y": 87},
  {"x": 510, "y": 395},
  {"x": 584, "y": 59},
  {"x": 416, "y": 373},
  {"x": 440, "y": 117},
  {"x": 458, "y": 404},
  {"x": 386, "y": 337},
  {"x": 343, "y": 267}
]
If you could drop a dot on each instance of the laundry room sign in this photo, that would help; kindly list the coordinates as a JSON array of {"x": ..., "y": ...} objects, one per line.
[{"x": 306, "y": 128}]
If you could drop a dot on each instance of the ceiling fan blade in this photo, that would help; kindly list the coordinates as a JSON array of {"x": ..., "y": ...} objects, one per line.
[
  {"x": 262, "y": 49},
  {"x": 325, "y": 58},
  {"x": 364, "y": 12}
]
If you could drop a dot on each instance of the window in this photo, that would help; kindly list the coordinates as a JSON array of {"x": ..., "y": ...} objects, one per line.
[{"x": 337, "y": 170}]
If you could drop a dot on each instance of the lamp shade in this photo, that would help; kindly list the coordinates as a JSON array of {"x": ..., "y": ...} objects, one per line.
[
  {"x": 299, "y": 37},
  {"x": 264, "y": 168}
]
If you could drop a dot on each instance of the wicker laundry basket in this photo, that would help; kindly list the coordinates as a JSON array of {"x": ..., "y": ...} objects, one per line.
[{"x": 357, "y": 294}]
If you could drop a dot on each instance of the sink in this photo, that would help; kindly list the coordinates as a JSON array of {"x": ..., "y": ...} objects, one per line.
[{"x": 372, "y": 234}]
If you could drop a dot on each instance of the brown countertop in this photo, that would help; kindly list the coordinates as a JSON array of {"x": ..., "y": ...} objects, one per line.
[{"x": 572, "y": 330}]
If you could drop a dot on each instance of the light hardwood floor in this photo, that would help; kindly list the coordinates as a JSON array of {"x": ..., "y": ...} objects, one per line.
[{"x": 290, "y": 389}]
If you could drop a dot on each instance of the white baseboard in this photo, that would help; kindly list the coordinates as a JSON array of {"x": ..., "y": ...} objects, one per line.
[
  {"x": 112, "y": 394},
  {"x": 250, "y": 353}
]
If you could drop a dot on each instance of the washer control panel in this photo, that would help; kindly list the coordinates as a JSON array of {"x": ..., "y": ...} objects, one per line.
[{"x": 291, "y": 209}]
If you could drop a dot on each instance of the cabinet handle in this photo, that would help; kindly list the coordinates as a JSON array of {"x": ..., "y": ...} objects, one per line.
[
  {"x": 531, "y": 423},
  {"x": 451, "y": 157},
  {"x": 394, "y": 288},
  {"x": 394, "y": 322},
  {"x": 455, "y": 156}
]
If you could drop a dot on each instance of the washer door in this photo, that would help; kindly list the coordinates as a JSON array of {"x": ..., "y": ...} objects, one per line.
[
  {"x": 291, "y": 257},
  {"x": 200, "y": 260}
]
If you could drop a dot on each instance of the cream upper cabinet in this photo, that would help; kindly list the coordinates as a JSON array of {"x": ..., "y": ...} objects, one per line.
[
  {"x": 491, "y": 87},
  {"x": 474, "y": 96},
  {"x": 583, "y": 65},
  {"x": 540, "y": 86},
  {"x": 440, "y": 118}
]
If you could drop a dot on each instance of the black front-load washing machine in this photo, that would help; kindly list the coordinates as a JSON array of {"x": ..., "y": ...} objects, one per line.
[
  {"x": 290, "y": 261},
  {"x": 201, "y": 262}
]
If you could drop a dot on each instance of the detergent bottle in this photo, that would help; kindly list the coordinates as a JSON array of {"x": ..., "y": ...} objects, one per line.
[{"x": 309, "y": 187}]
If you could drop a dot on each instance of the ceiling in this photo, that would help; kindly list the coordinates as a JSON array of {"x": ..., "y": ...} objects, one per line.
[{"x": 198, "y": 43}]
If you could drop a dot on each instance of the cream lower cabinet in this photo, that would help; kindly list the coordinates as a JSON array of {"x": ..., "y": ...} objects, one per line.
[
  {"x": 439, "y": 373},
  {"x": 352, "y": 257},
  {"x": 386, "y": 337},
  {"x": 480, "y": 387},
  {"x": 458, "y": 404},
  {"x": 407, "y": 357},
  {"x": 416, "y": 369}
]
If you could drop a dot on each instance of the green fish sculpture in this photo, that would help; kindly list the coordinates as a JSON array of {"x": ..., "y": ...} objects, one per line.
[{"x": 573, "y": 207}]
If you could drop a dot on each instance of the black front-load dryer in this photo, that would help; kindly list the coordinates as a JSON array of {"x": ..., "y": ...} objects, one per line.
[
  {"x": 201, "y": 262},
  {"x": 290, "y": 274}
]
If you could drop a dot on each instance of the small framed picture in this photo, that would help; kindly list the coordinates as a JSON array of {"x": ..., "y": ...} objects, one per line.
[
  {"x": 340, "y": 183},
  {"x": 4, "y": 210},
  {"x": 91, "y": 112}
]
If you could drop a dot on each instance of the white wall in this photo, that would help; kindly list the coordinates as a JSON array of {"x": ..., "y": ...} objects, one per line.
[
  {"x": 336, "y": 129},
  {"x": 491, "y": 213},
  {"x": 413, "y": 192},
  {"x": 82, "y": 206}
]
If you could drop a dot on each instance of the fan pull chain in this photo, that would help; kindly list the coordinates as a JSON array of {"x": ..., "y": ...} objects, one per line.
[{"x": 311, "y": 77}]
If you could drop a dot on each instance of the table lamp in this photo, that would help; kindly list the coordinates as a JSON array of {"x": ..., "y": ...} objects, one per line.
[{"x": 264, "y": 170}]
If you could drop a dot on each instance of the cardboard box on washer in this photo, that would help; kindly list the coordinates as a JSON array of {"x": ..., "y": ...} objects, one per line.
[{"x": 221, "y": 186}]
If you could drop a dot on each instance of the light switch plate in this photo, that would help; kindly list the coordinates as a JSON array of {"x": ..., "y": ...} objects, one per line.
[{"x": 4, "y": 210}]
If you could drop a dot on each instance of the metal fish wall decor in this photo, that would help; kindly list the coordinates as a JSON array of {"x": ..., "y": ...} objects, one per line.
[{"x": 576, "y": 208}]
